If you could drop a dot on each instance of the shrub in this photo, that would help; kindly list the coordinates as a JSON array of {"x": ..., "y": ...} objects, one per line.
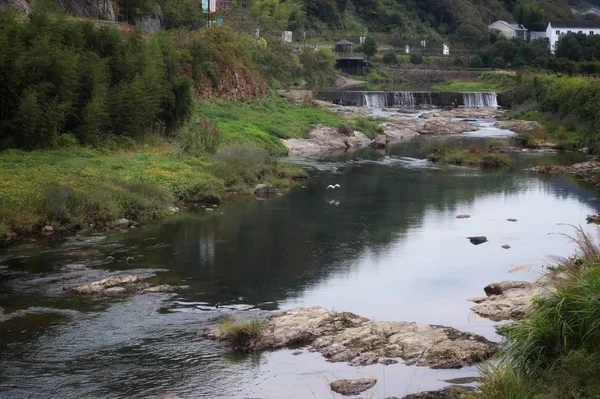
[
  {"x": 390, "y": 58},
  {"x": 475, "y": 62},
  {"x": 498, "y": 62},
  {"x": 199, "y": 138},
  {"x": 495, "y": 146},
  {"x": 416, "y": 59},
  {"x": 241, "y": 164},
  {"x": 369, "y": 47},
  {"x": 65, "y": 140},
  {"x": 496, "y": 160}
]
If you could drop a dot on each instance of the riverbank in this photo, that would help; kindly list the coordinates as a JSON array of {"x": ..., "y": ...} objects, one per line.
[
  {"x": 85, "y": 189},
  {"x": 552, "y": 350}
]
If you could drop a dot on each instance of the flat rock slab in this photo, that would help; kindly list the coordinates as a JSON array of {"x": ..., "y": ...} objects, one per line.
[
  {"x": 519, "y": 126},
  {"x": 509, "y": 300},
  {"x": 322, "y": 139},
  {"x": 122, "y": 285},
  {"x": 451, "y": 392},
  {"x": 346, "y": 337},
  {"x": 440, "y": 126},
  {"x": 352, "y": 387},
  {"x": 582, "y": 169}
]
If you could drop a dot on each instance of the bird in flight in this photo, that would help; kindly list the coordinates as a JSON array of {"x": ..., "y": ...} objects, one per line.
[{"x": 333, "y": 187}]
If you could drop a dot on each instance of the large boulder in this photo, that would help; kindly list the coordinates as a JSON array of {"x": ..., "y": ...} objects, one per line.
[
  {"x": 346, "y": 130},
  {"x": 346, "y": 337},
  {"x": 261, "y": 190}
]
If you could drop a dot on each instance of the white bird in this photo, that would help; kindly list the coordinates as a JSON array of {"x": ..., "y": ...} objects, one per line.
[{"x": 333, "y": 187}]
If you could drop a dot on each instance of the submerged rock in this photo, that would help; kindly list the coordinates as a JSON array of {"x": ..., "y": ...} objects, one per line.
[
  {"x": 509, "y": 300},
  {"x": 99, "y": 287},
  {"x": 593, "y": 218},
  {"x": 589, "y": 169},
  {"x": 451, "y": 392},
  {"x": 506, "y": 246},
  {"x": 476, "y": 240},
  {"x": 352, "y": 387},
  {"x": 262, "y": 190},
  {"x": 512, "y": 220},
  {"x": 463, "y": 216},
  {"x": 84, "y": 253},
  {"x": 346, "y": 337}
]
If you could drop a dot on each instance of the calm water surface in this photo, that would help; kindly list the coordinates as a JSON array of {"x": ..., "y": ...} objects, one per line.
[{"x": 387, "y": 245}]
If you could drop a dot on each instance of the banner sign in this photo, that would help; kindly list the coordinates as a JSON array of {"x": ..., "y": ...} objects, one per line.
[
  {"x": 219, "y": 21},
  {"x": 205, "y": 6},
  {"x": 213, "y": 6}
]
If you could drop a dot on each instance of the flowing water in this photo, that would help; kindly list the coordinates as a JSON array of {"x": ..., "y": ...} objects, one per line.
[
  {"x": 386, "y": 245},
  {"x": 480, "y": 100}
]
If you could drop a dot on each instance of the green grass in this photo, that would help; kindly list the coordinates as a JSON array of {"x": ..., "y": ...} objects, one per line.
[
  {"x": 70, "y": 189},
  {"x": 264, "y": 122},
  {"x": 470, "y": 157},
  {"x": 240, "y": 334},
  {"x": 467, "y": 86}
]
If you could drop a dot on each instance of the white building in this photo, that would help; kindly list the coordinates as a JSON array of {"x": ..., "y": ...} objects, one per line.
[
  {"x": 537, "y": 35},
  {"x": 556, "y": 29},
  {"x": 510, "y": 31}
]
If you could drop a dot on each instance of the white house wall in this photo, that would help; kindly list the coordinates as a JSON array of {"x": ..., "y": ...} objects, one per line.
[{"x": 554, "y": 34}]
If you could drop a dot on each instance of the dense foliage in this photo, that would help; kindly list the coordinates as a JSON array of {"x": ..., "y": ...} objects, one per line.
[{"x": 74, "y": 78}]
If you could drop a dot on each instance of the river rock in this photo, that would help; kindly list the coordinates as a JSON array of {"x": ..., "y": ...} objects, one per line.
[
  {"x": 262, "y": 190},
  {"x": 450, "y": 392},
  {"x": 463, "y": 216},
  {"x": 172, "y": 210},
  {"x": 352, "y": 387},
  {"x": 512, "y": 220},
  {"x": 100, "y": 287},
  {"x": 84, "y": 253},
  {"x": 582, "y": 170},
  {"x": 73, "y": 267},
  {"x": 509, "y": 300},
  {"x": 437, "y": 126},
  {"x": 121, "y": 223},
  {"x": 506, "y": 246},
  {"x": 467, "y": 113},
  {"x": 476, "y": 240},
  {"x": 322, "y": 139},
  {"x": 401, "y": 129},
  {"x": 519, "y": 126},
  {"x": 48, "y": 230},
  {"x": 593, "y": 218},
  {"x": 346, "y": 337},
  {"x": 379, "y": 142}
]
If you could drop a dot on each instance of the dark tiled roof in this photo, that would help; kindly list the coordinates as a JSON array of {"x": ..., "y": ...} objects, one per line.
[
  {"x": 576, "y": 24},
  {"x": 344, "y": 43}
]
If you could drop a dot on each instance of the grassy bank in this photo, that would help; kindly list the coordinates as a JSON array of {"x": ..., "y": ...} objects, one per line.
[
  {"x": 487, "y": 158},
  {"x": 263, "y": 123},
  {"x": 70, "y": 189},
  {"x": 495, "y": 81},
  {"x": 555, "y": 351}
]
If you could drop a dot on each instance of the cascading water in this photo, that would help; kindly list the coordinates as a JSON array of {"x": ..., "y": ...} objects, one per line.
[
  {"x": 480, "y": 100},
  {"x": 375, "y": 99},
  {"x": 404, "y": 99}
]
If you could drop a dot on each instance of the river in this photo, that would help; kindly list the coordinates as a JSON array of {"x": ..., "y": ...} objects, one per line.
[{"x": 386, "y": 245}]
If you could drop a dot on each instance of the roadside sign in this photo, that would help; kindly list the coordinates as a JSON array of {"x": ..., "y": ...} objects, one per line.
[
  {"x": 205, "y": 6},
  {"x": 219, "y": 21},
  {"x": 213, "y": 6}
]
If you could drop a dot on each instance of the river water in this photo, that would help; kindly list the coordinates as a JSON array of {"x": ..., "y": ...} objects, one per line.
[{"x": 386, "y": 245}]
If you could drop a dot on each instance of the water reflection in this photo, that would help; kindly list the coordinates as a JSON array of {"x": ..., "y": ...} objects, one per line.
[{"x": 386, "y": 245}]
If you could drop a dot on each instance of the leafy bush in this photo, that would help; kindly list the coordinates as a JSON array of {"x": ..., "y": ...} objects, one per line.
[
  {"x": 416, "y": 59},
  {"x": 475, "y": 62},
  {"x": 65, "y": 140},
  {"x": 390, "y": 58},
  {"x": 369, "y": 46}
]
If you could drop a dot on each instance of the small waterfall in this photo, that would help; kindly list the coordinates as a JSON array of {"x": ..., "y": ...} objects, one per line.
[
  {"x": 375, "y": 99},
  {"x": 404, "y": 99},
  {"x": 480, "y": 100}
]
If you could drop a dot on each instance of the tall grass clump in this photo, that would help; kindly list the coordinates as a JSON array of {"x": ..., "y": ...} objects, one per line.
[
  {"x": 240, "y": 334},
  {"x": 202, "y": 137}
]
